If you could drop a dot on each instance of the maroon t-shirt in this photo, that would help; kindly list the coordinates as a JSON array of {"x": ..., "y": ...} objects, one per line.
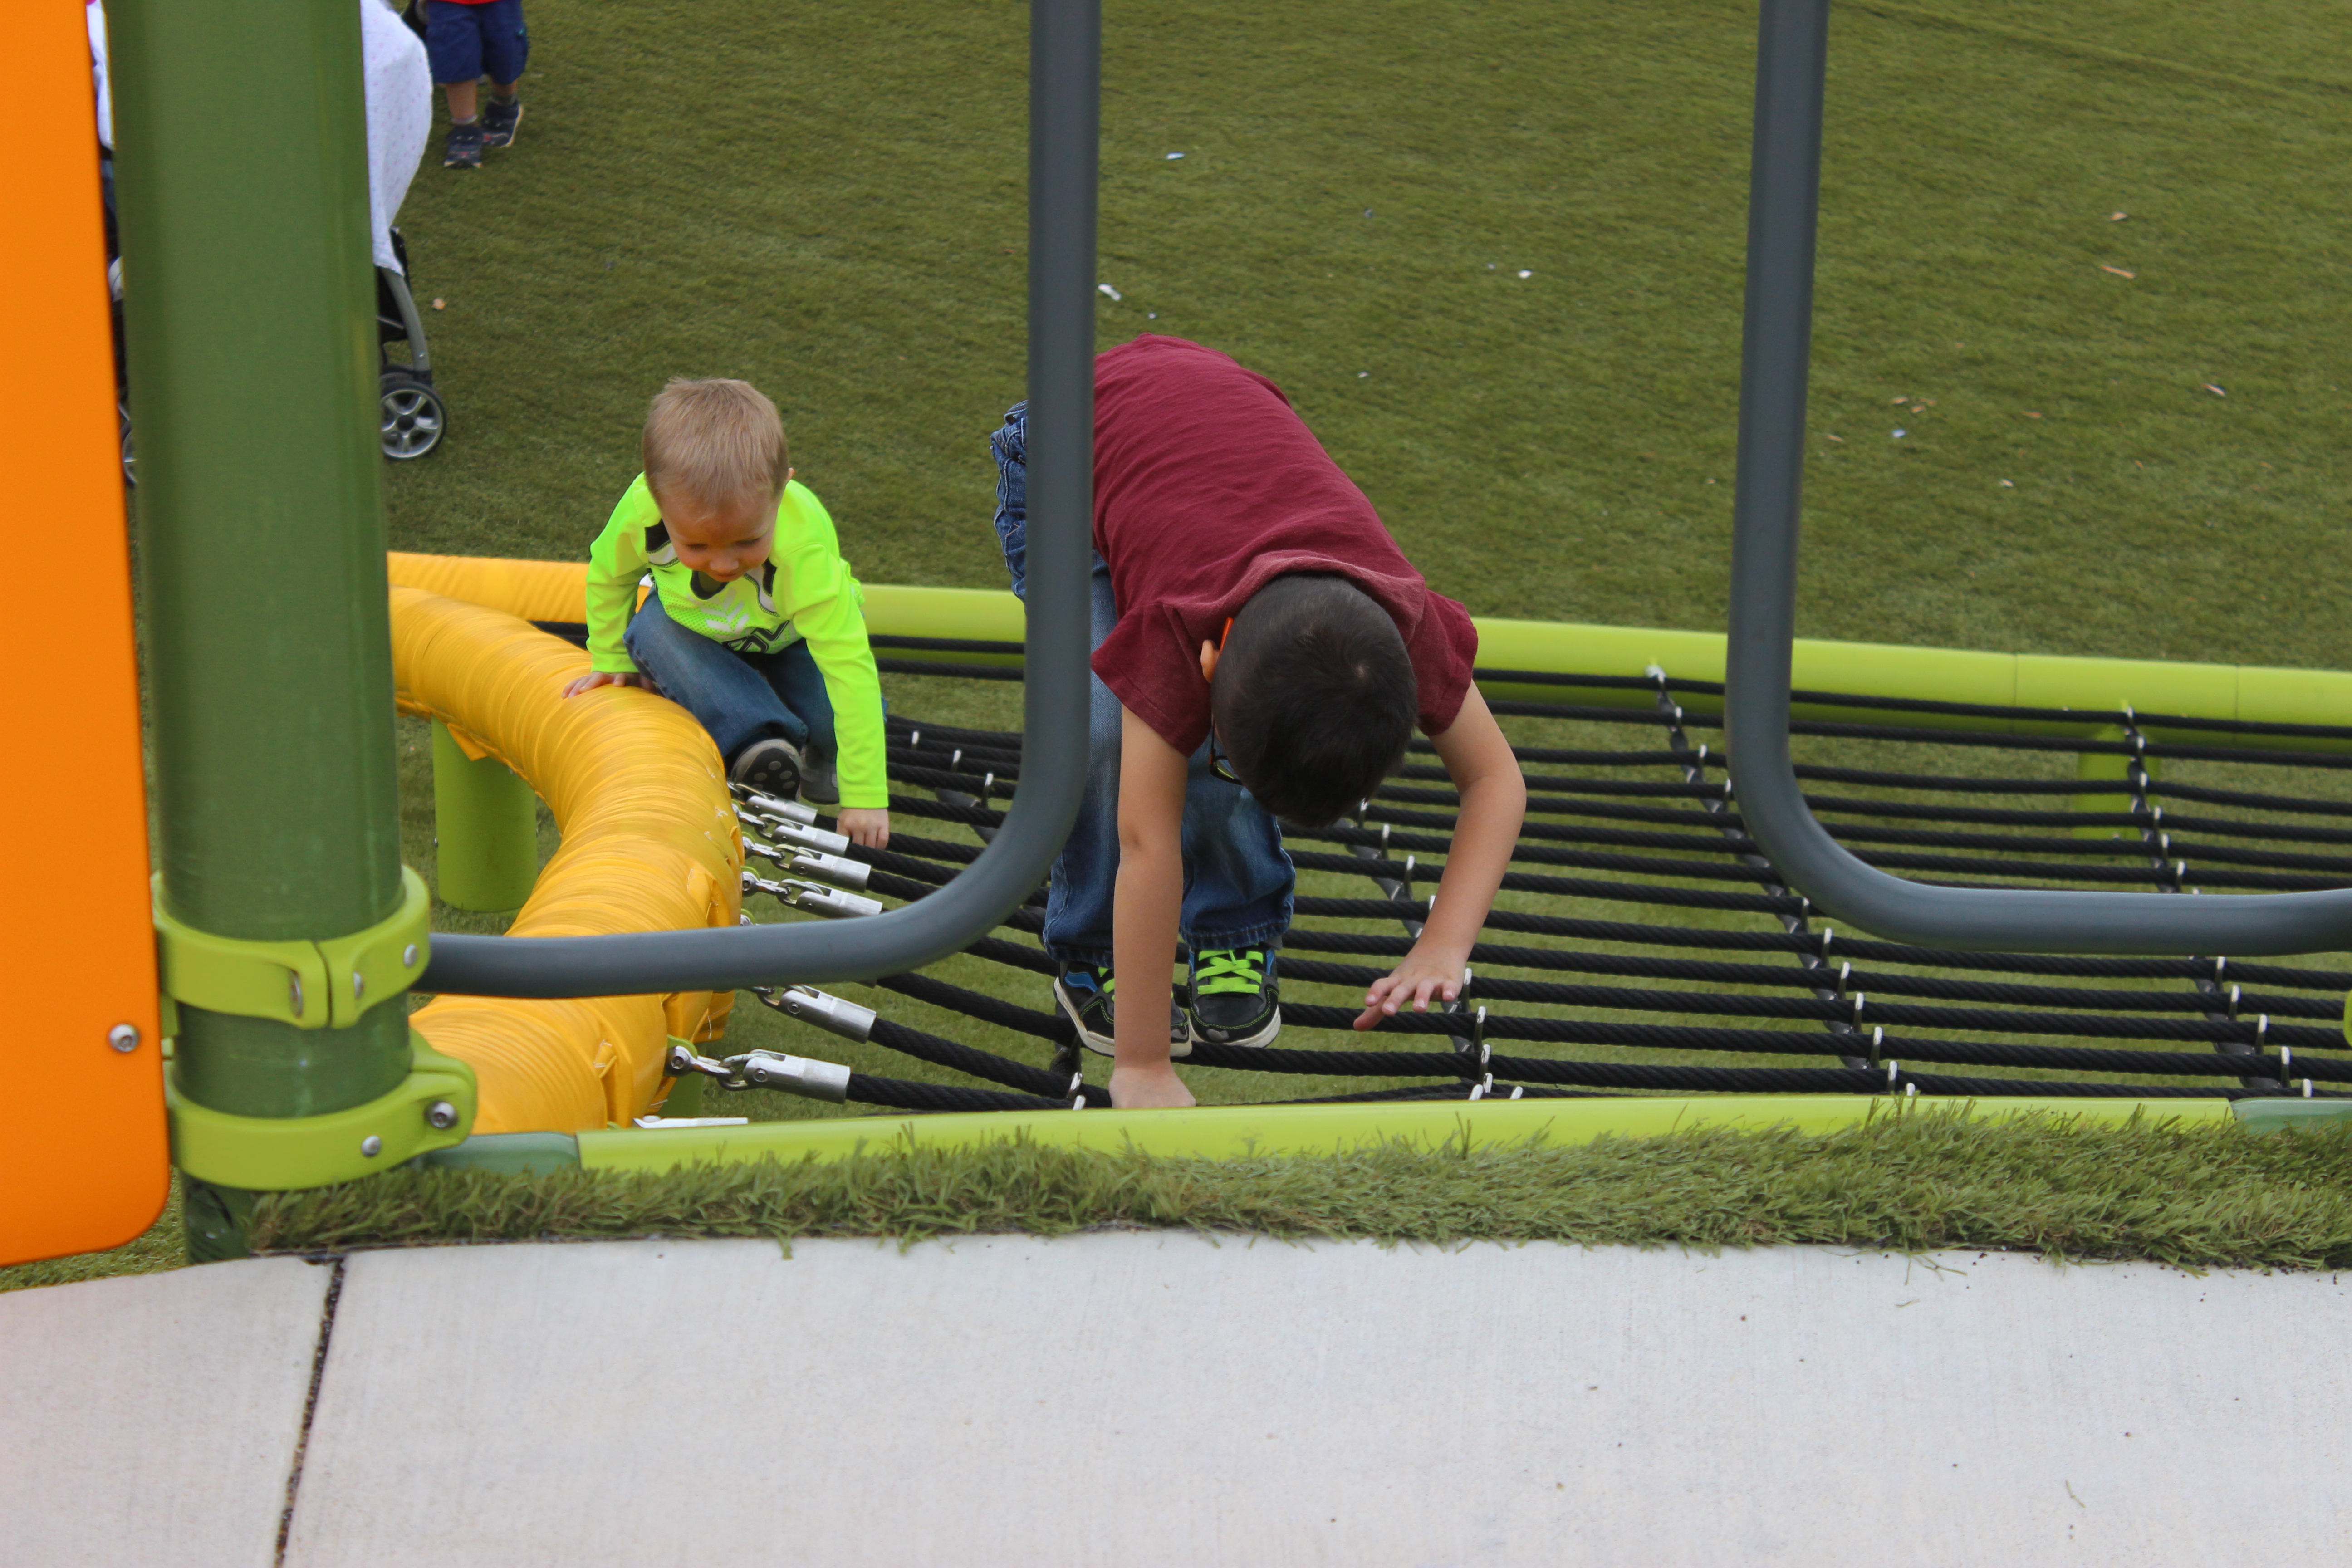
[{"x": 1207, "y": 485}]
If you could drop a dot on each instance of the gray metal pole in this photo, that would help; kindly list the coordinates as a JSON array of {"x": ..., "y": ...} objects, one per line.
[
  {"x": 1784, "y": 206},
  {"x": 1064, "y": 99}
]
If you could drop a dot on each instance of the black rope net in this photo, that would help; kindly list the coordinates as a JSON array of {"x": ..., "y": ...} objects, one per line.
[{"x": 1642, "y": 943}]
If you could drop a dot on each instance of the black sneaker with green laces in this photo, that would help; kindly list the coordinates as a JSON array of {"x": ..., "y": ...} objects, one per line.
[
  {"x": 1084, "y": 993},
  {"x": 1235, "y": 998}
]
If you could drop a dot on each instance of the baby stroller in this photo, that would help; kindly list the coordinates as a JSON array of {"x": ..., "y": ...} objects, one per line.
[
  {"x": 399, "y": 123},
  {"x": 399, "y": 85},
  {"x": 414, "y": 414}
]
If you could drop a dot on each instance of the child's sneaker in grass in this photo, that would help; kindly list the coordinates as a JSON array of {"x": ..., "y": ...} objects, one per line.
[
  {"x": 465, "y": 148},
  {"x": 1235, "y": 998},
  {"x": 498, "y": 122},
  {"x": 1084, "y": 993},
  {"x": 771, "y": 766}
]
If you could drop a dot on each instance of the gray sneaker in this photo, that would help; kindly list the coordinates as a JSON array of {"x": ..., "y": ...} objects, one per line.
[
  {"x": 771, "y": 766},
  {"x": 820, "y": 784}
]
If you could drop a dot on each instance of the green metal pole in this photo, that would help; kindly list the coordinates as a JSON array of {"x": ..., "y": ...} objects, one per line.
[
  {"x": 249, "y": 311},
  {"x": 485, "y": 827}
]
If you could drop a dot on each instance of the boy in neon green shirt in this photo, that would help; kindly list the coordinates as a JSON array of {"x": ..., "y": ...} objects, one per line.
[{"x": 755, "y": 625}]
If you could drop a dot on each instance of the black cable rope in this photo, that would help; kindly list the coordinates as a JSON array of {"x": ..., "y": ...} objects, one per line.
[{"x": 971, "y": 770}]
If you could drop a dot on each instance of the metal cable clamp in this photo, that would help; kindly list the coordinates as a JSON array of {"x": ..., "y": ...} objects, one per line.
[{"x": 809, "y": 896}]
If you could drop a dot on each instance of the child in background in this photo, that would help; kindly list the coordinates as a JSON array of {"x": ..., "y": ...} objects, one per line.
[
  {"x": 1262, "y": 650},
  {"x": 755, "y": 625},
  {"x": 467, "y": 39}
]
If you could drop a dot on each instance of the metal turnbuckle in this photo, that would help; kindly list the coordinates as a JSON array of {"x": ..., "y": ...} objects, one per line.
[
  {"x": 801, "y": 837},
  {"x": 796, "y": 1075},
  {"x": 791, "y": 811},
  {"x": 811, "y": 863},
  {"x": 764, "y": 1069},
  {"x": 832, "y": 1013},
  {"x": 809, "y": 896}
]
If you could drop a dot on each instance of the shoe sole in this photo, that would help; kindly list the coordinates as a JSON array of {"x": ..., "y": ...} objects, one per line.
[
  {"x": 776, "y": 778},
  {"x": 1264, "y": 1036},
  {"x": 512, "y": 132}
]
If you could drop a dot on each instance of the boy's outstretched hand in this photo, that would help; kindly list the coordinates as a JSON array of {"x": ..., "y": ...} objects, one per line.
[
  {"x": 1418, "y": 982},
  {"x": 867, "y": 826},
  {"x": 1493, "y": 803},
  {"x": 595, "y": 678}
]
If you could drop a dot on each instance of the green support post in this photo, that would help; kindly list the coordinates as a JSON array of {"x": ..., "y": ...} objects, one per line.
[
  {"x": 485, "y": 828},
  {"x": 250, "y": 306}
]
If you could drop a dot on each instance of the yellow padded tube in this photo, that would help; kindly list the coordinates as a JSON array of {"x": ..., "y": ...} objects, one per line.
[
  {"x": 534, "y": 590},
  {"x": 650, "y": 843}
]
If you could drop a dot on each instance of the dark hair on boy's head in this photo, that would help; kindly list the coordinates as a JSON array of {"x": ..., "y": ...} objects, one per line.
[{"x": 1314, "y": 697}]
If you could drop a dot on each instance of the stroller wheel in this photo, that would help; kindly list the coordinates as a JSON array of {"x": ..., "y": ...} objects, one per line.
[{"x": 413, "y": 417}]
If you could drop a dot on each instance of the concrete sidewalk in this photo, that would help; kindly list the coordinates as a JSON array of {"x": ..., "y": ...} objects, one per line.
[{"x": 1143, "y": 1399}]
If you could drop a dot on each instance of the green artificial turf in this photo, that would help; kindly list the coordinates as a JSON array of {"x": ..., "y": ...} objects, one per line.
[
  {"x": 828, "y": 199},
  {"x": 2151, "y": 1190}
]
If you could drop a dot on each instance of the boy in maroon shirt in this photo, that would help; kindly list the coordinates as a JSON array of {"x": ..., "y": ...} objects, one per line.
[{"x": 1262, "y": 649}]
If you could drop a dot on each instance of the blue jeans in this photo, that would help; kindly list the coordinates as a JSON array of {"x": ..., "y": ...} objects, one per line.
[
  {"x": 1238, "y": 880},
  {"x": 739, "y": 698}
]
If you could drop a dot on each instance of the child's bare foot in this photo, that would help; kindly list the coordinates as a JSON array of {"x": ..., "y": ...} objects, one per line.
[{"x": 1147, "y": 1088}]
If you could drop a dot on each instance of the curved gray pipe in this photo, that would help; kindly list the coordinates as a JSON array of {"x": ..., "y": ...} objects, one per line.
[
  {"x": 1784, "y": 199},
  {"x": 1064, "y": 76}
]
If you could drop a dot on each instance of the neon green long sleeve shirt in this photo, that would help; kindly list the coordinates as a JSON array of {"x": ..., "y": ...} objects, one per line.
[{"x": 803, "y": 594}]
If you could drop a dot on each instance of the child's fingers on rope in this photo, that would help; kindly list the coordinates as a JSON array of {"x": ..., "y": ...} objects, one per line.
[
  {"x": 868, "y": 826},
  {"x": 1417, "y": 981}
]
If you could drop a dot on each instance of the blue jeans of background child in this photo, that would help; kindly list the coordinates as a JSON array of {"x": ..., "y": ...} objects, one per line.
[
  {"x": 465, "y": 42},
  {"x": 739, "y": 698},
  {"x": 1238, "y": 880}
]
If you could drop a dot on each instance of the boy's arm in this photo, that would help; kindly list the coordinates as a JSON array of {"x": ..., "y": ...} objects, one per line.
[
  {"x": 616, "y": 565},
  {"x": 1493, "y": 803},
  {"x": 834, "y": 630},
  {"x": 1145, "y": 903},
  {"x": 826, "y": 608}
]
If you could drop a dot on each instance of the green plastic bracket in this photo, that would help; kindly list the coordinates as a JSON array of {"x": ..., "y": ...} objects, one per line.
[
  {"x": 432, "y": 1109},
  {"x": 312, "y": 984},
  {"x": 2292, "y": 1115}
]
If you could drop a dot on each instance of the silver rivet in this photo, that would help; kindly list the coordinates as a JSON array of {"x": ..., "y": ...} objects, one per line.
[
  {"x": 294, "y": 992},
  {"x": 359, "y": 985},
  {"x": 123, "y": 1037},
  {"x": 441, "y": 1115},
  {"x": 408, "y": 956},
  {"x": 371, "y": 1146}
]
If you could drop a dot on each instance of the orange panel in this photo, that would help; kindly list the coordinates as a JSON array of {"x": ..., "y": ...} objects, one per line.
[{"x": 83, "y": 1156}]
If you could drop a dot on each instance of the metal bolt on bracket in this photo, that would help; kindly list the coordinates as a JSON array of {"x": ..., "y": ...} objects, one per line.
[
  {"x": 359, "y": 985},
  {"x": 441, "y": 1116},
  {"x": 123, "y": 1037},
  {"x": 797, "y": 1075},
  {"x": 408, "y": 956},
  {"x": 371, "y": 1146},
  {"x": 827, "y": 1012}
]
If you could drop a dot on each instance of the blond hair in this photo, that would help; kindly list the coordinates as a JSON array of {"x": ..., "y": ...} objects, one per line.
[{"x": 717, "y": 442}]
